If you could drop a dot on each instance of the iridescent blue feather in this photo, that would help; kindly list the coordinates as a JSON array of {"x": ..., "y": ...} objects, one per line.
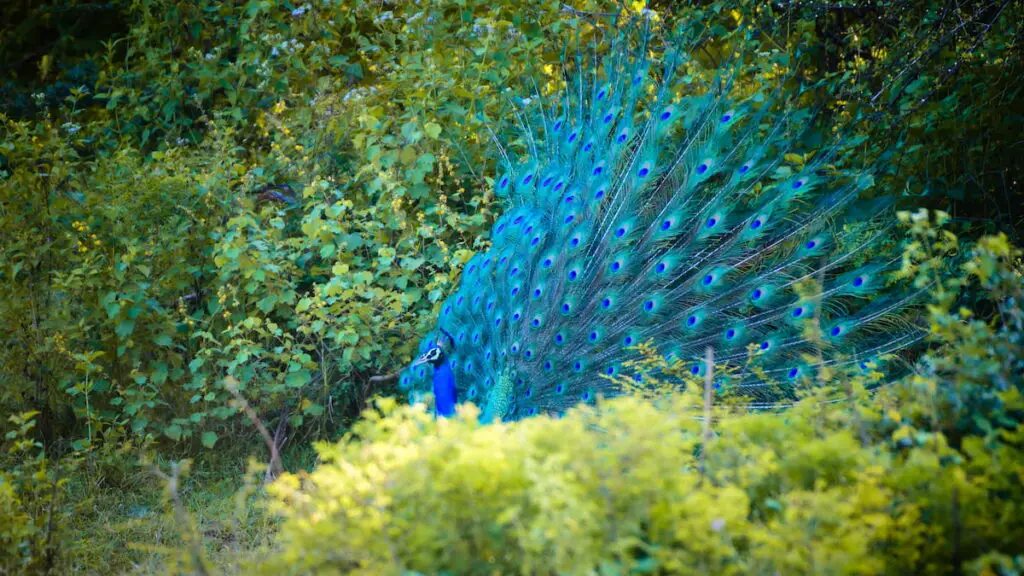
[{"x": 646, "y": 207}]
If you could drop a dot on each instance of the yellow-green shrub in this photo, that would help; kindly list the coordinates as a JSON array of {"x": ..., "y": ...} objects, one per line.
[{"x": 619, "y": 489}]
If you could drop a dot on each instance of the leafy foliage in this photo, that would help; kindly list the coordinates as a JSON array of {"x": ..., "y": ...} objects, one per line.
[{"x": 197, "y": 192}]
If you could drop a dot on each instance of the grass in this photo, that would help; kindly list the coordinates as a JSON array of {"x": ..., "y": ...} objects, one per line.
[{"x": 124, "y": 519}]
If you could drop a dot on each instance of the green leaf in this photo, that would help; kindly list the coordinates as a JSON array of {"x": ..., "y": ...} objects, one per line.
[
  {"x": 297, "y": 379},
  {"x": 433, "y": 130},
  {"x": 173, "y": 432},
  {"x": 163, "y": 340},
  {"x": 209, "y": 439},
  {"x": 125, "y": 328}
]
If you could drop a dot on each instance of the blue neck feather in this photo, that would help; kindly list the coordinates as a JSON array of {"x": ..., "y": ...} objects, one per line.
[{"x": 445, "y": 395}]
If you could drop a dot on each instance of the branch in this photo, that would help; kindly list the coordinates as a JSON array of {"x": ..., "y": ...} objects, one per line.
[
  {"x": 382, "y": 379},
  {"x": 275, "y": 458},
  {"x": 195, "y": 541},
  {"x": 575, "y": 12}
]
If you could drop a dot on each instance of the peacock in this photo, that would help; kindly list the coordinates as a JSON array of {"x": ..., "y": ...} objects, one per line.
[{"x": 641, "y": 208}]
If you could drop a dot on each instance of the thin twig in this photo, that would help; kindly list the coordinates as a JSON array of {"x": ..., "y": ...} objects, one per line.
[
  {"x": 181, "y": 515},
  {"x": 382, "y": 379},
  {"x": 275, "y": 459}
]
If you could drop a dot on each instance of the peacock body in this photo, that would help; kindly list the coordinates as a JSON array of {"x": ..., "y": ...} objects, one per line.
[{"x": 640, "y": 210}]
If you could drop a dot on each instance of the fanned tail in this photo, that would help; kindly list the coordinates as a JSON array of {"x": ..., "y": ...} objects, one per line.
[{"x": 650, "y": 207}]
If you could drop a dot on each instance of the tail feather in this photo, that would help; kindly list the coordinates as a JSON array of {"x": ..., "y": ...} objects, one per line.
[{"x": 651, "y": 208}]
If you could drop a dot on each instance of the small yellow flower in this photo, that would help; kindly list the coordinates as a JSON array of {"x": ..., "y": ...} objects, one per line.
[{"x": 280, "y": 107}]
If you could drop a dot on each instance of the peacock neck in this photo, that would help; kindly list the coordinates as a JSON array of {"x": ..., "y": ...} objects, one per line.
[{"x": 444, "y": 390}]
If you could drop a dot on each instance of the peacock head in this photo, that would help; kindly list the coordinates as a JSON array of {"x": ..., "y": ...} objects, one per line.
[{"x": 435, "y": 355}]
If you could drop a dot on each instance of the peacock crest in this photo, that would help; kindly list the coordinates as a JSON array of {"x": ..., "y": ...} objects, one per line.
[{"x": 644, "y": 207}]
